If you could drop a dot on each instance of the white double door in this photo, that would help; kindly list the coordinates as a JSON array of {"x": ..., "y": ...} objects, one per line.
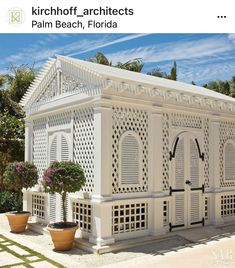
[{"x": 186, "y": 188}]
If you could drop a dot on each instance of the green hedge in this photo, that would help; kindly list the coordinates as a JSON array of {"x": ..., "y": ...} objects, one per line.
[{"x": 8, "y": 201}]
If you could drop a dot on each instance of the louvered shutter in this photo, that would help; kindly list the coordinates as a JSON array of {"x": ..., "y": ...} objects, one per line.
[
  {"x": 64, "y": 149},
  {"x": 52, "y": 206},
  {"x": 229, "y": 161},
  {"x": 195, "y": 196},
  {"x": 179, "y": 165},
  {"x": 194, "y": 164},
  {"x": 179, "y": 198},
  {"x": 53, "y": 149},
  {"x": 130, "y": 160},
  {"x": 195, "y": 206},
  {"x": 179, "y": 208}
]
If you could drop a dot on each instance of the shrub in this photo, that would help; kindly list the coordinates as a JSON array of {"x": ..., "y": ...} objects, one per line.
[
  {"x": 20, "y": 175},
  {"x": 9, "y": 201},
  {"x": 63, "y": 177}
]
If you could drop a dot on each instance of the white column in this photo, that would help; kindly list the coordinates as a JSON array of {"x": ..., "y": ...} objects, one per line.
[
  {"x": 101, "y": 209},
  {"x": 157, "y": 220},
  {"x": 155, "y": 171},
  {"x": 102, "y": 224},
  {"x": 214, "y": 163},
  {"x": 28, "y": 140},
  {"x": 102, "y": 153},
  {"x": 155, "y": 153},
  {"x": 27, "y": 200},
  {"x": 216, "y": 209}
]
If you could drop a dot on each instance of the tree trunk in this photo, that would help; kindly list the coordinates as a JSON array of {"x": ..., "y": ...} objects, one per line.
[
  {"x": 64, "y": 206},
  {"x": 20, "y": 201}
]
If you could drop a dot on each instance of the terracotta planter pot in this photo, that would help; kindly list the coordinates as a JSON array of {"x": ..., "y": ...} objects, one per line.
[
  {"x": 18, "y": 220},
  {"x": 62, "y": 234}
]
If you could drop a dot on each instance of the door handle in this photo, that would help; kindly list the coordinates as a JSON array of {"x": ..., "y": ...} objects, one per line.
[{"x": 188, "y": 182}]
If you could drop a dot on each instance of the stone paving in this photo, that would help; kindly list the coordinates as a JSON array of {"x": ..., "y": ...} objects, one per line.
[
  {"x": 13, "y": 254},
  {"x": 208, "y": 246}
]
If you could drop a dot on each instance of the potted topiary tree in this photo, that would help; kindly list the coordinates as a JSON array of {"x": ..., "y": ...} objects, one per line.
[
  {"x": 63, "y": 177},
  {"x": 19, "y": 175}
]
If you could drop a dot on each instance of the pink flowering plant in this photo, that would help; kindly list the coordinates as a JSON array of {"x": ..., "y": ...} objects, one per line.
[
  {"x": 20, "y": 175},
  {"x": 63, "y": 177}
]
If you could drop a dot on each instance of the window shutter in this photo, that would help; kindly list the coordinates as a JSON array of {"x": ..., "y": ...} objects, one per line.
[
  {"x": 179, "y": 165},
  {"x": 130, "y": 160},
  {"x": 194, "y": 164},
  {"x": 64, "y": 149},
  {"x": 53, "y": 150},
  {"x": 229, "y": 161}
]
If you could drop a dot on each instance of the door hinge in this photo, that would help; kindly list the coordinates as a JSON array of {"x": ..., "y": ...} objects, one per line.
[
  {"x": 199, "y": 222},
  {"x": 199, "y": 188},
  {"x": 175, "y": 226},
  {"x": 175, "y": 190}
]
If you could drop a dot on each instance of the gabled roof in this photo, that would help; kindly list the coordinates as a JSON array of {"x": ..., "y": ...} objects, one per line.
[
  {"x": 112, "y": 72},
  {"x": 106, "y": 73},
  {"x": 37, "y": 81}
]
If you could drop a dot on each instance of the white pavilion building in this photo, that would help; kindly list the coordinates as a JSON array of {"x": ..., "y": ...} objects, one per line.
[{"x": 158, "y": 155}]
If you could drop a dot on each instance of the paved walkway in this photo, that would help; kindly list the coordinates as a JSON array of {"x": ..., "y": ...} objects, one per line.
[
  {"x": 13, "y": 254},
  {"x": 199, "y": 247}
]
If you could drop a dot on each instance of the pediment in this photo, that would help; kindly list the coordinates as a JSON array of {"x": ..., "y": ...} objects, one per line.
[{"x": 60, "y": 79}]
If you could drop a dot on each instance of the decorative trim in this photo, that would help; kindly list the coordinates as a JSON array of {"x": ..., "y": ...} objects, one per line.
[
  {"x": 172, "y": 155},
  {"x": 96, "y": 82},
  {"x": 201, "y": 155}
]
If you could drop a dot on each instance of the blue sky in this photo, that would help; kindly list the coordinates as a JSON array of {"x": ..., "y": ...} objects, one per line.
[{"x": 200, "y": 57}]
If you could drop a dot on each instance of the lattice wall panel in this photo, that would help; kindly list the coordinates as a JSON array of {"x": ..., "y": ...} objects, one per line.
[
  {"x": 227, "y": 205},
  {"x": 185, "y": 120},
  {"x": 165, "y": 150},
  {"x": 83, "y": 144},
  {"x": 165, "y": 213},
  {"x": 71, "y": 85},
  {"x": 50, "y": 91},
  {"x": 82, "y": 214},
  {"x": 226, "y": 132},
  {"x": 59, "y": 119},
  {"x": 38, "y": 206},
  {"x": 206, "y": 151},
  {"x": 129, "y": 218},
  {"x": 40, "y": 145},
  {"x": 206, "y": 208},
  {"x": 124, "y": 119}
]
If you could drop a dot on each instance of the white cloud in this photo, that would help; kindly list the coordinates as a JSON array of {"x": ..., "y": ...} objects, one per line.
[
  {"x": 36, "y": 52},
  {"x": 113, "y": 42},
  {"x": 176, "y": 51},
  {"x": 232, "y": 37}
]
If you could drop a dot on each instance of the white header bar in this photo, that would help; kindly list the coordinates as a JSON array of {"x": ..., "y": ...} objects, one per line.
[{"x": 129, "y": 16}]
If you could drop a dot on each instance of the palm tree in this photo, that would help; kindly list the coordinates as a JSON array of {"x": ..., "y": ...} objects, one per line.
[
  {"x": 159, "y": 73},
  {"x": 101, "y": 59},
  {"x": 219, "y": 86},
  {"x": 134, "y": 65}
]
